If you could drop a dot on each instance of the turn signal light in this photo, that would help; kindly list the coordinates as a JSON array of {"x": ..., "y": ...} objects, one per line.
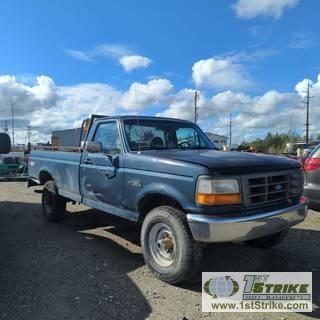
[{"x": 210, "y": 199}]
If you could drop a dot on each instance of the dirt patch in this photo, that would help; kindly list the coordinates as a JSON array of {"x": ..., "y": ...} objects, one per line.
[{"x": 90, "y": 266}]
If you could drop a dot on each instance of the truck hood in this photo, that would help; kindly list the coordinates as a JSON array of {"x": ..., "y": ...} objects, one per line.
[{"x": 228, "y": 162}]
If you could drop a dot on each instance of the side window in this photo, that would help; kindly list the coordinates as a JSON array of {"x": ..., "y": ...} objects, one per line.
[
  {"x": 107, "y": 134},
  {"x": 187, "y": 135},
  {"x": 315, "y": 153},
  {"x": 144, "y": 136}
]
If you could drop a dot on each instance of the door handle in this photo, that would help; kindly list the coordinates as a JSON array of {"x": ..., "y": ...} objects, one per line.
[{"x": 88, "y": 161}]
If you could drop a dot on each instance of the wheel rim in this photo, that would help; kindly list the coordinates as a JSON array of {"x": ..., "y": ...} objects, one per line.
[{"x": 162, "y": 244}]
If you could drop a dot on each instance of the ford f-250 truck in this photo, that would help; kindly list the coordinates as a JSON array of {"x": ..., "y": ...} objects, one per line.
[{"x": 167, "y": 175}]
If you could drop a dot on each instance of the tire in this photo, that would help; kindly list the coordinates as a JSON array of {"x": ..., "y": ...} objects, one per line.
[
  {"x": 5, "y": 143},
  {"x": 268, "y": 241},
  {"x": 168, "y": 247},
  {"x": 53, "y": 205}
]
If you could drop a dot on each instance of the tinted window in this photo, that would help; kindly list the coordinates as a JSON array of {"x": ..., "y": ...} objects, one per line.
[{"x": 107, "y": 134}]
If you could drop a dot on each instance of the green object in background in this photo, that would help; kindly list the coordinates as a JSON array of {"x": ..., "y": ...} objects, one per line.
[{"x": 13, "y": 171}]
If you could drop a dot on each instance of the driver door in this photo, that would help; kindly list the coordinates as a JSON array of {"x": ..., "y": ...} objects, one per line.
[{"x": 101, "y": 173}]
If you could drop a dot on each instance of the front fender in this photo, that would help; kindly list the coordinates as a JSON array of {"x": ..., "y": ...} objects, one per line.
[{"x": 165, "y": 190}]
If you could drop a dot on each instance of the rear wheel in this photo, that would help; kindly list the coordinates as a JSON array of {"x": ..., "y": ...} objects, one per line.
[
  {"x": 268, "y": 241},
  {"x": 168, "y": 247},
  {"x": 53, "y": 205}
]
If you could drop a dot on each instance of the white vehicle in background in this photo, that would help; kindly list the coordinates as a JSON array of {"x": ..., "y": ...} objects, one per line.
[{"x": 291, "y": 148}]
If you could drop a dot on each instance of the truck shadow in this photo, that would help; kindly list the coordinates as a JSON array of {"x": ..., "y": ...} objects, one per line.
[
  {"x": 82, "y": 265},
  {"x": 49, "y": 272},
  {"x": 298, "y": 252}
]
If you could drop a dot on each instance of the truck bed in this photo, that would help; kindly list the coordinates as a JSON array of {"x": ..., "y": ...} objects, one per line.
[{"x": 63, "y": 165}]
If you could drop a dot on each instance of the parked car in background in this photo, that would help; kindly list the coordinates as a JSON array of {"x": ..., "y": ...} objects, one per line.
[
  {"x": 306, "y": 152},
  {"x": 312, "y": 178}
]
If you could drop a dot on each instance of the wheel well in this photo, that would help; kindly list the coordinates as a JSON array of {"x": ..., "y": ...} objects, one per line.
[
  {"x": 44, "y": 176},
  {"x": 152, "y": 201}
]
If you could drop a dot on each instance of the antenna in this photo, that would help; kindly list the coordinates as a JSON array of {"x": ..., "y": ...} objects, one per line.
[
  {"x": 137, "y": 117},
  {"x": 196, "y": 97}
]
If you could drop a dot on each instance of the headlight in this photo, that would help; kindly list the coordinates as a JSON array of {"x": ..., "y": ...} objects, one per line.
[{"x": 217, "y": 191}]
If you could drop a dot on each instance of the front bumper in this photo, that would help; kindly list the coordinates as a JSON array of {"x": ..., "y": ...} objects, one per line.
[
  {"x": 209, "y": 229},
  {"x": 312, "y": 192}
]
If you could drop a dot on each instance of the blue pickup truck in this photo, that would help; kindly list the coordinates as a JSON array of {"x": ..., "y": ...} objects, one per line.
[{"x": 168, "y": 176}]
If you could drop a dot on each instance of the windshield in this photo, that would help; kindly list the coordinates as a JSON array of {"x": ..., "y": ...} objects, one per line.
[{"x": 144, "y": 134}]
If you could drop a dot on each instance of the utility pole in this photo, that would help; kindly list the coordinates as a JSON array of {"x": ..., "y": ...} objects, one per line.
[
  {"x": 12, "y": 119},
  {"x": 230, "y": 130},
  {"x": 196, "y": 97},
  {"x": 290, "y": 126},
  {"x": 290, "y": 129},
  {"x": 307, "y": 113},
  {"x": 29, "y": 134}
]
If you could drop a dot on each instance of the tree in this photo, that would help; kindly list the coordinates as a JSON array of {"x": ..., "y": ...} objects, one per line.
[{"x": 272, "y": 143}]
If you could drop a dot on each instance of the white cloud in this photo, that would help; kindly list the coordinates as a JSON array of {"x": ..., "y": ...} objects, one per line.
[
  {"x": 80, "y": 55},
  {"x": 220, "y": 73},
  {"x": 252, "y": 115},
  {"x": 27, "y": 98},
  {"x": 303, "y": 40},
  {"x": 133, "y": 62},
  {"x": 140, "y": 95},
  {"x": 181, "y": 105},
  {"x": 302, "y": 86},
  {"x": 123, "y": 54},
  {"x": 47, "y": 106},
  {"x": 110, "y": 50},
  {"x": 248, "y": 9},
  {"x": 44, "y": 90}
]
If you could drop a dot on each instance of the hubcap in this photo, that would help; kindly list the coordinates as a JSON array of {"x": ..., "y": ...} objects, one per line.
[{"x": 162, "y": 244}]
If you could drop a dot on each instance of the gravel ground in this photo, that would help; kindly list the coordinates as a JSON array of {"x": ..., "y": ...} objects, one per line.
[{"x": 90, "y": 266}]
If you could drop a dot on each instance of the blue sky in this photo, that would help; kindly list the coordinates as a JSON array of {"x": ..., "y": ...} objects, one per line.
[{"x": 93, "y": 52}]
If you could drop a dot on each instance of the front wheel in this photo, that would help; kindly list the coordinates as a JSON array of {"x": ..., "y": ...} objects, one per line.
[
  {"x": 268, "y": 241},
  {"x": 167, "y": 245},
  {"x": 53, "y": 205}
]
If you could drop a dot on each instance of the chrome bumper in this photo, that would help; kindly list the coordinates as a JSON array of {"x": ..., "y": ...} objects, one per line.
[{"x": 209, "y": 229}]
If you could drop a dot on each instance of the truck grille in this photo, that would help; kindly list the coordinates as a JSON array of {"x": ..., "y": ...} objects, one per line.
[{"x": 274, "y": 187}]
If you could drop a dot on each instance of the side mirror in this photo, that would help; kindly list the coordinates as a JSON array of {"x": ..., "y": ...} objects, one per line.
[
  {"x": 5, "y": 143},
  {"x": 94, "y": 147},
  {"x": 114, "y": 160}
]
